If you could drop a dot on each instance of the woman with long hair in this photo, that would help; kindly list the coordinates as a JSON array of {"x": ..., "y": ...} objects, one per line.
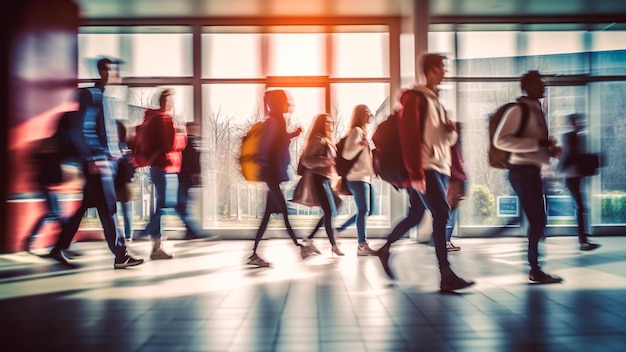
[
  {"x": 317, "y": 167},
  {"x": 359, "y": 178},
  {"x": 274, "y": 150}
]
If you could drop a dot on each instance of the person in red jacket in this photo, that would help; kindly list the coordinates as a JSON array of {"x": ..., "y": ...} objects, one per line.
[
  {"x": 425, "y": 142},
  {"x": 164, "y": 164}
]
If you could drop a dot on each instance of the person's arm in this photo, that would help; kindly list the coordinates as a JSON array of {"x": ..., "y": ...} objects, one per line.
[{"x": 316, "y": 154}]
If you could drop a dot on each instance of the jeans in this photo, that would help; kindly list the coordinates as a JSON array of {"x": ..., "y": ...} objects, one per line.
[
  {"x": 363, "y": 194},
  {"x": 53, "y": 213},
  {"x": 451, "y": 223},
  {"x": 437, "y": 202},
  {"x": 326, "y": 198},
  {"x": 157, "y": 175},
  {"x": 573, "y": 185},
  {"x": 275, "y": 203},
  {"x": 127, "y": 216},
  {"x": 99, "y": 192},
  {"x": 527, "y": 183},
  {"x": 182, "y": 209}
]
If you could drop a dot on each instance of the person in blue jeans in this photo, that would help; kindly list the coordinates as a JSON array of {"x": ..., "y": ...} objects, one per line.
[
  {"x": 530, "y": 149},
  {"x": 359, "y": 178},
  {"x": 426, "y": 154}
]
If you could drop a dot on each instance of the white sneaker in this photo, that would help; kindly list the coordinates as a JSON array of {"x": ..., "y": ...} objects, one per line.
[
  {"x": 364, "y": 250},
  {"x": 160, "y": 254}
]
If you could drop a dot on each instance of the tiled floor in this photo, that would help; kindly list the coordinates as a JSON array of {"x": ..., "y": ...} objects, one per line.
[{"x": 205, "y": 299}]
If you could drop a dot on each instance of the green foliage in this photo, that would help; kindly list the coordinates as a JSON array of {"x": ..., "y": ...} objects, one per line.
[
  {"x": 613, "y": 207},
  {"x": 481, "y": 202}
]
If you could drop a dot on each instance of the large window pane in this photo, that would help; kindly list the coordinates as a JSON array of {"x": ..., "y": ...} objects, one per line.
[
  {"x": 556, "y": 52},
  {"x": 360, "y": 55},
  {"x": 609, "y": 53},
  {"x": 144, "y": 54},
  {"x": 231, "y": 55},
  {"x": 487, "y": 54},
  {"x": 297, "y": 54}
]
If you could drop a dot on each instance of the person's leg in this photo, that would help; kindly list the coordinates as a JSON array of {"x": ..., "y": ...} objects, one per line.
[
  {"x": 361, "y": 193},
  {"x": 327, "y": 203},
  {"x": 451, "y": 223},
  {"x": 527, "y": 183},
  {"x": 52, "y": 213},
  {"x": 414, "y": 216},
  {"x": 261, "y": 231},
  {"x": 437, "y": 202},
  {"x": 573, "y": 185},
  {"x": 319, "y": 224},
  {"x": 194, "y": 230},
  {"x": 276, "y": 195},
  {"x": 127, "y": 213},
  {"x": 351, "y": 220},
  {"x": 154, "y": 227}
]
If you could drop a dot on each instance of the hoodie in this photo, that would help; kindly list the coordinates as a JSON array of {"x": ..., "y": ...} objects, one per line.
[{"x": 427, "y": 149}]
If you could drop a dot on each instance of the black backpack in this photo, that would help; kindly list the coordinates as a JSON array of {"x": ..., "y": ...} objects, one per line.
[
  {"x": 342, "y": 164},
  {"x": 499, "y": 158},
  {"x": 387, "y": 155}
]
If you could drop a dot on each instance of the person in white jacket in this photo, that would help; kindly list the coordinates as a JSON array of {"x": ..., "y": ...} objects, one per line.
[
  {"x": 359, "y": 178},
  {"x": 531, "y": 149}
]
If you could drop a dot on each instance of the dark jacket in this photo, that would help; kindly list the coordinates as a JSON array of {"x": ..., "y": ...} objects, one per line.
[
  {"x": 274, "y": 150},
  {"x": 190, "y": 168}
]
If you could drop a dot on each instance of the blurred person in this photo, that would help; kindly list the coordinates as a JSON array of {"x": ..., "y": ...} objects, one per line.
[
  {"x": 123, "y": 182},
  {"x": 165, "y": 162},
  {"x": 456, "y": 189},
  {"x": 99, "y": 151},
  {"x": 317, "y": 167},
  {"x": 429, "y": 169},
  {"x": 530, "y": 149},
  {"x": 274, "y": 148},
  {"x": 573, "y": 148},
  {"x": 359, "y": 178},
  {"x": 188, "y": 178}
]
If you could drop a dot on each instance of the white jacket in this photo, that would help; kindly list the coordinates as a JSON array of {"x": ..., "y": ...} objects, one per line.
[
  {"x": 363, "y": 169},
  {"x": 525, "y": 150}
]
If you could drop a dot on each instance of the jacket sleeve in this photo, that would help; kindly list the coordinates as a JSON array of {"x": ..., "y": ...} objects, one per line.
[
  {"x": 316, "y": 154},
  {"x": 267, "y": 144},
  {"x": 504, "y": 138},
  {"x": 353, "y": 143},
  {"x": 167, "y": 134},
  {"x": 410, "y": 133}
]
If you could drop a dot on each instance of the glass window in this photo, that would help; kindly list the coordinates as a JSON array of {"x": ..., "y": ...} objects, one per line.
[
  {"x": 360, "y": 55},
  {"x": 609, "y": 53},
  {"x": 231, "y": 55},
  {"x": 141, "y": 98},
  {"x": 297, "y": 54},
  {"x": 143, "y": 54},
  {"x": 556, "y": 52},
  {"x": 487, "y": 54}
]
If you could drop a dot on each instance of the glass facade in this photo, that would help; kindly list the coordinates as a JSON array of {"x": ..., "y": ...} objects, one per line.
[{"x": 333, "y": 72}]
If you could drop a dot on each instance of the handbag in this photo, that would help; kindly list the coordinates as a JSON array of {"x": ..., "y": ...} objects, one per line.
[
  {"x": 305, "y": 191},
  {"x": 588, "y": 164},
  {"x": 341, "y": 187}
]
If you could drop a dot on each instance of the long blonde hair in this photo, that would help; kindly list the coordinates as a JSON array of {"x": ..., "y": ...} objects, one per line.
[{"x": 360, "y": 117}]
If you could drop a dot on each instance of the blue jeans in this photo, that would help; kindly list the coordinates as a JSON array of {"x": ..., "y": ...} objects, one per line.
[
  {"x": 326, "y": 198},
  {"x": 127, "y": 216},
  {"x": 451, "y": 223},
  {"x": 527, "y": 183},
  {"x": 53, "y": 213},
  {"x": 193, "y": 228},
  {"x": 436, "y": 200},
  {"x": 99, "y": 192},
  {"x": 157, "y": 175},
  {"x": 363, "y": 194}
]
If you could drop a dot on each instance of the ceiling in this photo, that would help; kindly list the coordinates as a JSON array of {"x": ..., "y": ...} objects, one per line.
[{"x": 440, "y": 9}]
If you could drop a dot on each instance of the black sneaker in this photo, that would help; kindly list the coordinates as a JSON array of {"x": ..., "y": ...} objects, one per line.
[
  {"x": 126, "y": 261},
  {"x": 588, "y": 246},
  {"x": 450, "y": 282},
  {"x": 59, "y": 257},
  {"x": 540, "y": 277}
]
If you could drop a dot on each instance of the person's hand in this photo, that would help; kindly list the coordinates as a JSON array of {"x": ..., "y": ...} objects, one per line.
[
  {"x": 419, "y": 185},
  {"x": 450, "y": 126},
  {"x": 98, "y": 167},
  {"x": 297, "y": 132}
]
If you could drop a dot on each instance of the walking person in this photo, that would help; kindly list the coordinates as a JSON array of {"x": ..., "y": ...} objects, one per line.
[
  {"x": 573, "y": 149},
  {"x": 530, "y": 149},
  {"x": 123, "y": 182},
  {"x": 274, "y": 148},
  {"x": 98, "y": 150},
  {"x": 359, "y": 178},
  {"x": 317, "y": 167},
  {"x": 456, "y": 189},
  {"x": 425, "y": 142},
  {"x": 165, "y": 161},
  {"x": 190, "y": 177}
]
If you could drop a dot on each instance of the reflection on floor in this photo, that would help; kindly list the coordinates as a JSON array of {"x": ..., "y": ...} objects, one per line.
[{"x": 205, "y": 299}]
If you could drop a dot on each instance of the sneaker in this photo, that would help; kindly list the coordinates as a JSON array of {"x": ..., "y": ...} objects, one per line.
[
  {"x": 450, "y": 282},
  {"x": 452, "y": 248},
  {"x": 255, "y": 260},
  {"x": 309, "y": 242},
  {"x": 540, "y": 277},
  {"x": 588, "y": 246},
  {"x": 126, "y": 261},
  {"x": 383, "y": 255},
  {"x": 70, "y": 253},
  {"x": 364, "y": 250},
  {"x": 60, "y": 257},
  {"x": 129, "y": 239},
  {"x": 160, "y": 254}
]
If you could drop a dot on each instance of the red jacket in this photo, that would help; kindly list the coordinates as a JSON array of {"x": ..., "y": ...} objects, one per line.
[{"x": 170, "y": 143}]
